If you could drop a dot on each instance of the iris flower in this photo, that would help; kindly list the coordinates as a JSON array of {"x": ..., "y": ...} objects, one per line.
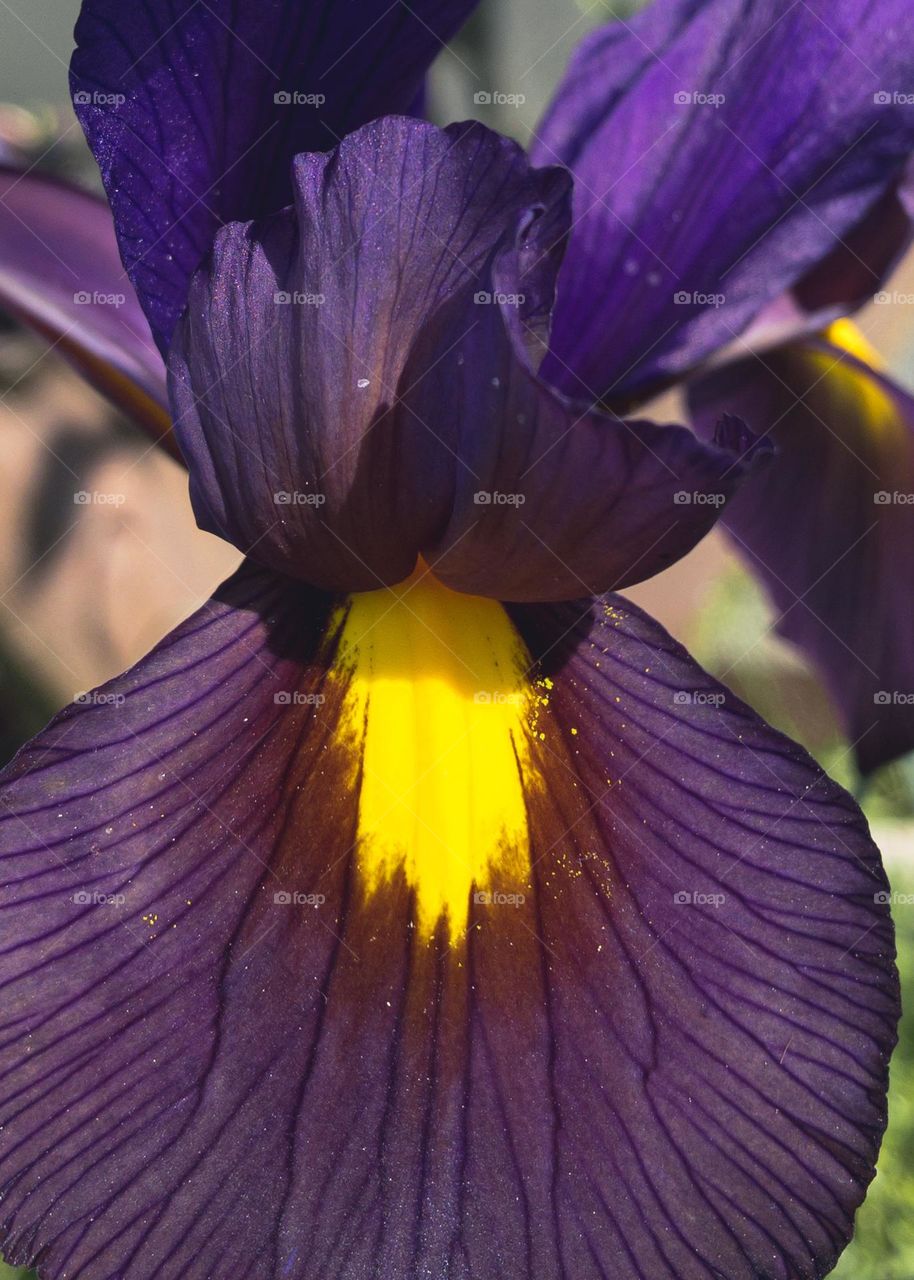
[{"x": 419, "y": 908}]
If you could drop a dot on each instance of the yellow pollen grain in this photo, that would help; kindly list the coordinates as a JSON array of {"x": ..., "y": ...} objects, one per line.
[{"x": 438, "y": 708}]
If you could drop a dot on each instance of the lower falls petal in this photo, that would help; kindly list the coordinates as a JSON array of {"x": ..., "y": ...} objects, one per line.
[{"x": 634, "y": 1023}]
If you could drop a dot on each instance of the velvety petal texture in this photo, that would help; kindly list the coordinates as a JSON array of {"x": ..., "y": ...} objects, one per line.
[
  {"x": 354, "y": 385},
  {"x": 652, "y": 1048},
  {"x": 285, "y": 370},
  {"x": 179, "y": 157},
  {"x": 829, "y": 525},
  {"x": 721, "y": 150},
  {"x": 60, "y": 274},
  {"x": 552, "y": 499}
]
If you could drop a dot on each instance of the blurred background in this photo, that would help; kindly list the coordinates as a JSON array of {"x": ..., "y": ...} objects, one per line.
[{"x": 86, "y": 589}]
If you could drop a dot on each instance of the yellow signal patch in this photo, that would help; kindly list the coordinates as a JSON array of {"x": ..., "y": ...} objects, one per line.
[{"x": 439, "y": 706}]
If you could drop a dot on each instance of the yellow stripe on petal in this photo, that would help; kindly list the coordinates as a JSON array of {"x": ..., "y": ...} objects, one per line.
[{"x": 440, "y": 709}]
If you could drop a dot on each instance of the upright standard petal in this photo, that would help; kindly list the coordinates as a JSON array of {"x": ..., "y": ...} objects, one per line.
[
  {"x": 60, "y": 274},
  {"x": 720, "y": 152},
  {"x": 829, "y": 526},
  {"x": 354, "y": 385},
  {"x": 179, "y": 158},
  {"x": 400, "y": 936},
  {"x": 285, "y": 370}
]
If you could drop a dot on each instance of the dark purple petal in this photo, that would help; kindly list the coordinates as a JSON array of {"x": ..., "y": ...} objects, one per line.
[
  {"x": 195, "y": 108},
  {"x": 829, "y": 525},
  {"x": 60, "y": 273},
  {"x": 224, "y": 1054},
  {"x": 723, "y": 1000},
  {"x": 551, "y": 499},
  {"x": 863, "y": 259},
  {"x": 721, "y": 152},
  {"x": 286, "y": 367}
]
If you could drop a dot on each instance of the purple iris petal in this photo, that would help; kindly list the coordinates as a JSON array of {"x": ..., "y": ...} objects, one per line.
[
  {"x": 285, "y": 369},
  {"x": 551, "y": 499},
  {"x": 353, "y": 379},
  {"x": 720, "y": 151},
  {"x": 222, "y": 1057},
  {"x": 195, "y": 110},
  {"x": 60, "y": 274},
  {"x": 828, "y": 526}
]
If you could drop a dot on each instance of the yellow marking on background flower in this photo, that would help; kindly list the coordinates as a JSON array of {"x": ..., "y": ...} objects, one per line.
[
  {"x": 845, "y": 334},
  {"x": 441, "y": 710},
  {"x": 842, "y": 383}
]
